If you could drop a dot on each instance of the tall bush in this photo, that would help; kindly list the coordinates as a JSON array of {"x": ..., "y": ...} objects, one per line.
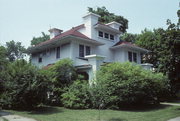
[
  {"x": 77, "y": 95},
  {"x": 63, "y": 73},
  {"x": 120, "y": 84},
  {"x": 25, "y": 86}
]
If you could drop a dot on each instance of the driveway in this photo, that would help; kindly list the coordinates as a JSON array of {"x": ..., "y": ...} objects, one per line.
[{"x": 12, "y": 117}]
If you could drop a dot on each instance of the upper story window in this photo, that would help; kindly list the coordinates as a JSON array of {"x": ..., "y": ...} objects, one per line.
[
  {"x": 132, "y": 57},
  {"x": 88, "y": 50},
  {"x": 106, "y": 35},
  {"x": 111, "y": 37},
  {"x": 58, "y": 52},
  {"x": 84, "y": 50},
  {"x": 81, "y": 50},
  {"x": 100, "y": 34}
]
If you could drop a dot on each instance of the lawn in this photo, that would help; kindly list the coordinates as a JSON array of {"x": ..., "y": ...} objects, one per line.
[{"x": 158, "y": 113}]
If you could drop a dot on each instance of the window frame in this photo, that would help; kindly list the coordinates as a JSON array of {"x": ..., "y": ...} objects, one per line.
[
  {"x": 100, "y": 34},
  {"x": 81, "y": 51},
  {"x": 111, "y": 37},
  {"x": 105, "y": 35},
  {"x": 132, "y": 56},
  {"x": 58, "y": 49}
]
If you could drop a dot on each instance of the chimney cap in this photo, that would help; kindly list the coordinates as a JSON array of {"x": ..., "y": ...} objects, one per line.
[
  {"x": 55, "y": 29},
  {"x": 92, "y": 14}
]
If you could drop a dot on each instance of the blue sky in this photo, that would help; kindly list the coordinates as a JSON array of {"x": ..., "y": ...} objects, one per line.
[{"x": 20, "y": 20}]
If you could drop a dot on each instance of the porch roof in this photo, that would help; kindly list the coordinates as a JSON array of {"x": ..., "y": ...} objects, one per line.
[{"x": 123, "y": 44}]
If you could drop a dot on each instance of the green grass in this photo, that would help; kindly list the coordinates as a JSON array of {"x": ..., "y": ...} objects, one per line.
[
  {"x": 158, "y": 113},
  {"x": 3, "y": 119}
]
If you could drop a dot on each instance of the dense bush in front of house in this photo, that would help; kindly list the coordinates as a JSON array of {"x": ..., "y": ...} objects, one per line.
[
  {"x": 126, "y": 84},
  {"x": 63, "y": 73},
  {"x": 25, "y": 86},
  {"x": 77, "y": 95}
]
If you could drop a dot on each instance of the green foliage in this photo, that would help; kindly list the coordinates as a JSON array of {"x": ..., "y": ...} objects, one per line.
[
  {"x": 3, "y": 65},
  {"x": 128, "y": 37},
  {"x": 120, "y": 84},
  {"x": 15, "y": 50},
  {"x": 164, "y": 49},
  {"x": 37, "y": 40},
  {"x": 77, "y": 95},
  {"x": 107, "y": 17},
  {"x": 63, "y": 73},
  {"x": 25, "y": 86}
]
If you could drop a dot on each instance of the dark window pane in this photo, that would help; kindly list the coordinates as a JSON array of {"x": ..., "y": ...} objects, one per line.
[
  {"x": 111, "y": 37},
  {"x": 100, "y": 34},
  {"x": 88, "y": 50},
  {"x": 106, "y": 35},
  {"x": 40, "y": 60},
  {"x": 134, "y": 57},
  {"x": 81, "y": 50},
  {"x": 130, "y": 56},
  {"x": 58, "y": 52}
]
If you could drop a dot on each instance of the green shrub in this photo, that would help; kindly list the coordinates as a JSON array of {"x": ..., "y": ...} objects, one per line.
[
  {"x": 63, "y": 74},
  {"x": 25, "y": 86},
  {"x": 77, "y": 95},
  {"x": 125, "y": 84}
]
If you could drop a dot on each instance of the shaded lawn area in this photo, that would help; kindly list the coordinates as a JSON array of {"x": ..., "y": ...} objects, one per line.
[{"x": 158, "y": 113}]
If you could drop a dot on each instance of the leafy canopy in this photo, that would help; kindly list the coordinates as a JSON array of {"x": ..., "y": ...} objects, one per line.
[
  {"x": 15, "y": 50},
  {"x": 37, "y": 40}
]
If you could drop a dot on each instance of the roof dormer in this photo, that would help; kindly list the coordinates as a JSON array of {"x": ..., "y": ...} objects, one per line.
[{"x": 114, "y": 25}]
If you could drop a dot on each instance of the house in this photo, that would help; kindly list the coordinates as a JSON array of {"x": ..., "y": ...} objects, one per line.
[{"x": 89, "y": 45}]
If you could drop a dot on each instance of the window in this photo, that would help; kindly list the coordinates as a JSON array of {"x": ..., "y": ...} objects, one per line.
[
  {"x": 106, "y": 35},
  {"x": 84, "y": 50},
  {"x": 130, "y": 56},
  {"x": 135, "y": 57},
  {"x": 88, "y": 50},
  {"x": 111, "y": 37},
  {"x": 58, "y": 52},
  {"x": 81, "y": 50},
  {"x": 40, "y": 59},
  {"x": 100, "y": 34}
]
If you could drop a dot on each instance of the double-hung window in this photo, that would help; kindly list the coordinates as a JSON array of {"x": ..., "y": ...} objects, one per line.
[
  {"x": 81, "y": 50},
  {"x": 132, "y": 57},
  {"x": 106, "y": 35},
  {"x": 100, "y": 34},
  {"x": 58, "y": 52},
  {"x": 84, "y": 50}
]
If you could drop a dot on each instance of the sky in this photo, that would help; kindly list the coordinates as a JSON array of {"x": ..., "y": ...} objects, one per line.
[{"x": 21, "y": 20}]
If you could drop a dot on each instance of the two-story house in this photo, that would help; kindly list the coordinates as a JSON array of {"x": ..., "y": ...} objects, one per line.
[{"x": 89, "y": 45}]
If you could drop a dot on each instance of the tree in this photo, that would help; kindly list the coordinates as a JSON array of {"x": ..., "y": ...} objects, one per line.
[
  {"x": 37, "y": 40},
  {"x": 3, "y": 65},
  {"x": 107, "y": 17},
  {"x": 15, "y": 50},
  {"x": 129, "y": 37},
  {"x": 164, "y": 49}
]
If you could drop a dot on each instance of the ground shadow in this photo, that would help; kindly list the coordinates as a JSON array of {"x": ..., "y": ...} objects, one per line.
[
  {"x": 116, "y": 119},
  {"x": 144, "y": 108},
  {"x": 3, "y": 113},
  {"x": 46, "y": 110}
]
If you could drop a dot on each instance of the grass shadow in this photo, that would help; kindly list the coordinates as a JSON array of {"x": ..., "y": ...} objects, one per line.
[
  {"x": 116, "y": 119},
  {"x": 144, "y": 108},
  {"x": 45, "y": 110}
]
